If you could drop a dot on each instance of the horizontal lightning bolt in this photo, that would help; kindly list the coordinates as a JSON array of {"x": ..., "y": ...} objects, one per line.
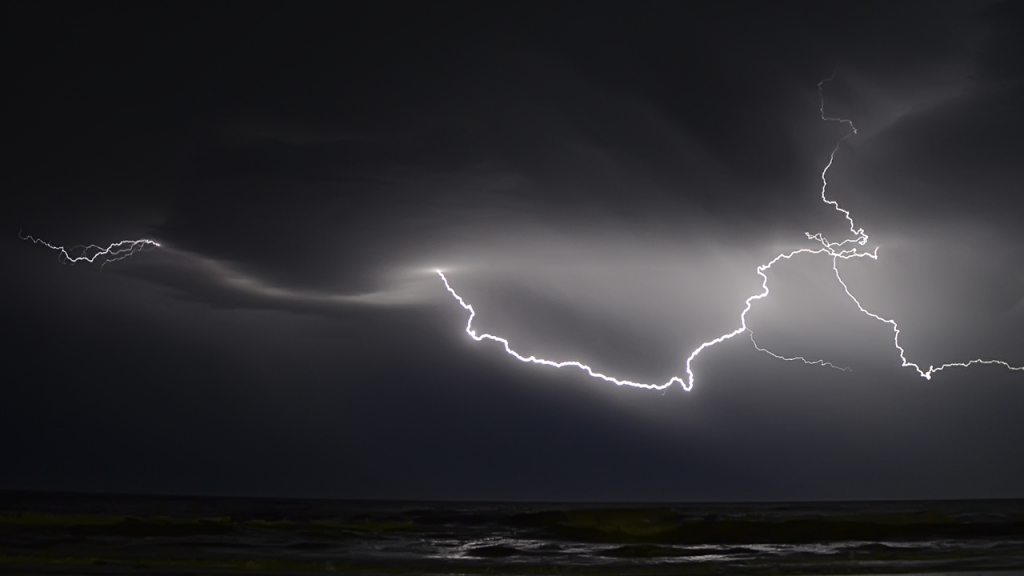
[
  {"x": 535, "y": 360},
  {"x": 836, "y": 250},
  {"x": 842, "y": 250},
  {"x": 91, "y": 253}
]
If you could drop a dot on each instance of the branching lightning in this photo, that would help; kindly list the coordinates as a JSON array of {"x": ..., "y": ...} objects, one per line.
[
  {"x": 91, "y": 253},
  {"x": 845, "y": 249},
  {"x": 842, "y": 250}
]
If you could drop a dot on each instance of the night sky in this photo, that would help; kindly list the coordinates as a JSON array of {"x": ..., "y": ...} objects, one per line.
[{"x": 600, "y": 181}]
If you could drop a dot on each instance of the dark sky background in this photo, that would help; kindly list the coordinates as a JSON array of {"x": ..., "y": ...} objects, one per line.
[{"x": 599, "y": 180}]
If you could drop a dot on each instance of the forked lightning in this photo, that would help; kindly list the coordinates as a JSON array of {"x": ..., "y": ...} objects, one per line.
[{"x": 842, "y": 250}]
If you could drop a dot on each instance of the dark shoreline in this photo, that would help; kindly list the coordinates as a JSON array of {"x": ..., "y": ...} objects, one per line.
[{"x": 48, "y": 533}]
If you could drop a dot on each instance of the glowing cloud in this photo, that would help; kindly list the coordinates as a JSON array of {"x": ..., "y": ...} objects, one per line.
[
  {"x": 842, "y": 250},
  {"x": 845, "y": 249}
]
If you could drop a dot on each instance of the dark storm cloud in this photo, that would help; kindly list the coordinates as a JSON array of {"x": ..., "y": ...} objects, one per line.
[
  {"x": 600, "y": 181},
  {"x": 653, "y": 132}
]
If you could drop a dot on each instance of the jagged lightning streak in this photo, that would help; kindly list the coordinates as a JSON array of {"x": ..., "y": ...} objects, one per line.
[
  {"x": 535, "y": 360},
  {"x": 836, "y": 250},
  {"x": 842, "y": 250},
  {"x": 926, "y": 374},
  {"x": 91, "y": 253},
  {"x": 861, "y": 238}
]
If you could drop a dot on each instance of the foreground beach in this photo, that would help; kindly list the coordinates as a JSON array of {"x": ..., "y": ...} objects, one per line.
[{"x": 62, "y": 533}]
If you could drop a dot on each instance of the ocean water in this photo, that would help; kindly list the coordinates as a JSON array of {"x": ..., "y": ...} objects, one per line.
[{"x": 107, "y": 534}]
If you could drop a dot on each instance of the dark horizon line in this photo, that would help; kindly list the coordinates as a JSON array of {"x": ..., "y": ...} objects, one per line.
[{"x": 8, "y": 492}]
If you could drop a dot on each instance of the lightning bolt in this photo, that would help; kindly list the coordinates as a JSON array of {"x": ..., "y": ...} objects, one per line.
[
  {"x": 553, "y": 364},
  {"x": 843, "y": 250},
  {"x": 91, "y": 253}
]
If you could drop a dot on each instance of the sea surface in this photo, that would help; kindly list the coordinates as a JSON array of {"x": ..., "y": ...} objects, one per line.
[{"x": 106, "y": 534}]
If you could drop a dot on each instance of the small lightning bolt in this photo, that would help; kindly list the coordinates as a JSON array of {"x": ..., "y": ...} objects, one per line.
[
  {"x": 91, "y": 253},
  {"x": 842, "y": 250}
]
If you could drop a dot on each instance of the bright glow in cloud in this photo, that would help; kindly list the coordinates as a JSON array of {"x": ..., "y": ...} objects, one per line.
[
  {"x": 848, "y": 248},
  {"x": 842, "y": 250}
]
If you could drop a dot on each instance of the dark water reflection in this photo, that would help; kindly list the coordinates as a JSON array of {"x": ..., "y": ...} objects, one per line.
[{"x": 54, "y": 533}]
